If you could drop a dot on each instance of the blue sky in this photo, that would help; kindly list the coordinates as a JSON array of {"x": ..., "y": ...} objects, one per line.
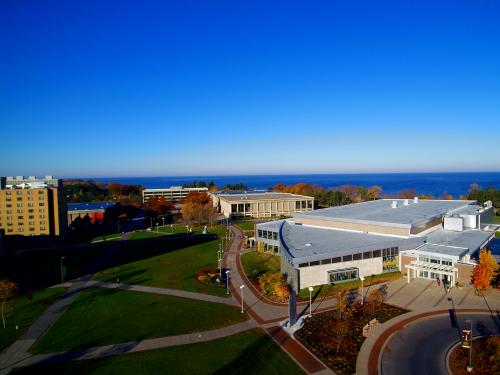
[{"x": 117, "y": 88}]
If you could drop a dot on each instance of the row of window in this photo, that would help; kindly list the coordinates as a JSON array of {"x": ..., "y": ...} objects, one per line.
[
  {"x": 389, "y": 255},
  {"x": 20, "y": 192},
  {"x": 428, "y": 259},
  {"x": 267, "y": 234},
  {"x": 343, "y": 275},
  {"x": 302, "y": 205},
  {"x": 29, "y": 204},
  {"x": 31, "y": 229},
  {"x": 271, "y": 248},
  {"x": 20, "y": 211}
]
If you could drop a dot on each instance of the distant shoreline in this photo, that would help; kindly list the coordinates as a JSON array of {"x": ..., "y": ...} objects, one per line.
[{"x": 454, "y": 183}]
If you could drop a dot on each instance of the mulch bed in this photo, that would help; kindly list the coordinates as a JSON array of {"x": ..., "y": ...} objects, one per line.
[
  {"x": 319, "y": 334},
  {"x": 485, "y": 357}
]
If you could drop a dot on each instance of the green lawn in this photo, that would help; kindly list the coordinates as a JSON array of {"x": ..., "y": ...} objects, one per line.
[
  {"x": 251, "y": 352},
  {"x": 255, "y": 263},
  {"x": 175, "y": 269},
  {"x": 108, "y": 316},
  {"x": 496, "y": 219},
  {"x": 245, "y": 225},
  {"x": 25, "y": 312},
  {"x": 497, "y": 234}
]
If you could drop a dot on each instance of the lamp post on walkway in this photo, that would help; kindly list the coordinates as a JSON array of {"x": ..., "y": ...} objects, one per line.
[
  {"x": 469, "y": 366},
  {"x": 241, "y": 291},
  {"x": 310, "y": 300},
  {"x": 219, "y": 262},
  {"x": 227, "y": 282},
  {"x": 362, "y": 291},
  {"x": 62, "y": 271}
]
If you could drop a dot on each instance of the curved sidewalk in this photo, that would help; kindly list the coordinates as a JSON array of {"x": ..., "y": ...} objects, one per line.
[
  {"x": 368, "y": 361},
  {"x": 137, "y": 346}
]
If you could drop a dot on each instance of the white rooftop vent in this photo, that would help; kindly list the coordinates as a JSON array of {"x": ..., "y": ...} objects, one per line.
[
  {"x": 406, "y": 203},
  {"x": 415, "y": 200},
  {"x": 488, "y": 204},
  {"x": 308, "y": 244},
  {"x": 394, "y": 204}
]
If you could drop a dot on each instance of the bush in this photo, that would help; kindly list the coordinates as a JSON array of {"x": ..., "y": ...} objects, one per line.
[{"x": 274, "y": 284}]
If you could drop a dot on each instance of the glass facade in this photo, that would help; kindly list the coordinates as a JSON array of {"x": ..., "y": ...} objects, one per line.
[
  {"x": 342, "y": 275},
  {"x": 390, "y": 259}
]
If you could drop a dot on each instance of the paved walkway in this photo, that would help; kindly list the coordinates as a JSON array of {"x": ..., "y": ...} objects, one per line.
[
  {"x": 138, "y": 346},
  {"x": 163, "y": 291}
]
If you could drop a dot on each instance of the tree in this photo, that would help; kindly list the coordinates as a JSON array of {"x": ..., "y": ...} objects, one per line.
[
  {"x": 342, "y": 302},
  {"x": 158, "y": 206},
  {"x": 375, "y": 299},
  {"x": 484, "y": 271},
  {"x": 197, "y": 207},
  {"x": 406, "y": 194},
  {"x": 7, "y": 291}
]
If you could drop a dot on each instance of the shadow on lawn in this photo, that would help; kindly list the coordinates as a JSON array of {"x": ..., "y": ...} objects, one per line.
[{"x": 37, "y": 269}]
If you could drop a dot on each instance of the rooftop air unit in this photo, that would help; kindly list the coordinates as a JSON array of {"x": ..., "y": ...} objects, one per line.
[
  {"x": 415, "y": 200},
  {"x": 394, "y": 204},
  {"x": 406, "y": 202}
]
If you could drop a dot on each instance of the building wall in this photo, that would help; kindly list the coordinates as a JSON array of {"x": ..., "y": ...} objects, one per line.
[
  {"x": 354, "y": 226},
  {"x": 464, "y": 272},
  {"x": 264, "y": 207},
  {"x": 174, "y": 195},
  {"x": 318, "y": 275},
  {"x": 292, "y": 274},
  {"x": 32, "y": 212},
  {"x": 405, "y": 259}
]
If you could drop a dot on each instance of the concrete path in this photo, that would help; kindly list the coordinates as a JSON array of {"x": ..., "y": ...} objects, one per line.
[
  {"x": 138, "y": 346},
  {"x": 163, "y": 291},
  {"x": 18, "y": 351}
]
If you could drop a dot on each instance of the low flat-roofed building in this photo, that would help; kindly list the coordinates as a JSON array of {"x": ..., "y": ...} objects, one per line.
[
  {"x": 96, "y": 211},
  {"x": 262, "y": 204},
  {"x": 173, "y": 193},
  {"x": 343, "y": 243}
]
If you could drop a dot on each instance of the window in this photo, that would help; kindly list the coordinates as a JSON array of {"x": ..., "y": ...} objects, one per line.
[
  {"x": 19, "y": 211},
  {"x": 19, "y": 198},
  {"x": 343, "y": 275},
  {"x": 276, "y": 249},
  {"x": 356, "y": 256},
  {"x": 346, "y": 258},
  {"x": 377, "y": 254},
  {"x": 259, "y": 233},
  {"x": 20, "y": 218},
  {"x": 367, "y": 255},
  {"x": 337, "y": 260},
  {"x": 19, "y": 205},
  {"x": 315, "y": 263},
  {"x": 31, "y": 210},
  {"x": 31, "y": 216},
  {"x": 302, "y": 265},
  {"x": 42, "y": 222},
  {"x": 30, "y": 204},
  {"x": 41, "y": 204},
  {"x": 234, "y": 208},
  {"x": 423, "y": 258},
  {"x": 326, "y": 261},
  {"x": 309, "y": 204},
  {"x": 32, "y": 229},
  {"x": 8, "y": 205},
  {"x": 446, "y": 262},
  {"x": 42, "y": 228},
  {"x": 390, "y": 260},
  {"x": 275, "y": 236}
]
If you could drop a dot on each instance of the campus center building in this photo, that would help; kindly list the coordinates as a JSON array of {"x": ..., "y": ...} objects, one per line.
[
  {"x": 261, "y": 205},
  {"x": 173, "y": 193},
  {"x": 32, "y": 206},
  {"x": 421, "y": 238}
]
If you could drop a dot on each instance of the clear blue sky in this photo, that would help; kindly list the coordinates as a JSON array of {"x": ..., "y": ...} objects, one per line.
[{"x": 117, "y": 88}]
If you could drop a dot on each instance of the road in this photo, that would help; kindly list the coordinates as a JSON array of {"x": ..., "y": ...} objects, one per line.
[{"x": 421, "y": 347}]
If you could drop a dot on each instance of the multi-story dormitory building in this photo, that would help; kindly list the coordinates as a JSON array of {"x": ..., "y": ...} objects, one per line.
[
  {"x": 421, "y": 238},
  {"x": 32, "y": 206}
]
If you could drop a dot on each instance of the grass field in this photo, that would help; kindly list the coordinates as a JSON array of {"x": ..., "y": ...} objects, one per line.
[
  {"x": 251, "y": 352},
  {"x": 245, "y": 225},
  {"x": 107, "y": 316},
  {"x": 25, "y": 312},
  {"x": 255, "y": 263},
  {"x": 175, "y": 269}
]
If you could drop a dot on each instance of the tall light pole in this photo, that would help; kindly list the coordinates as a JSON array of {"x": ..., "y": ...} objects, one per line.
[
  {"x": 62, "y": 271},
  {"x": 157, "y": 227},
  {"x": 163, "y": 219},
  {"x": 310, "y": 300},
  {"x": 227, "y": 281},
  {"x": 219, "y": 261},
  {"x": 241, "y": 291},
  {"x": 469, "y": 366},
  {"x": 362, "y": 291}
]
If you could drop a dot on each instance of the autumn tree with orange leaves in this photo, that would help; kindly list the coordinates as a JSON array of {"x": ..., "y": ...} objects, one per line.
[
  {"x": 197, "y": 208},
  {"x": 7, "y": 292},
  {"x": 484, "y": 271}
]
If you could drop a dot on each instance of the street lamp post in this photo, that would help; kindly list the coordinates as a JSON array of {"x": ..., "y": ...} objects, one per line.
[
  {"x": 362, "y": 289},
  {"x": 62, "y": 273},
  {"x": 219, "y": 262},
  {"x": 163, "y": 219},
  {"x": 241, "y": 291},
  {"x": 469, "y": 366},
  {"x": 310, "y": 300},
  {"x": 157, "y": 227},
  {"x": 227, "y": 281}
]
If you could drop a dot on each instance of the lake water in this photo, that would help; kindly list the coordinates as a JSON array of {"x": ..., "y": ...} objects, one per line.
[{"x": 424, "y": 183}]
